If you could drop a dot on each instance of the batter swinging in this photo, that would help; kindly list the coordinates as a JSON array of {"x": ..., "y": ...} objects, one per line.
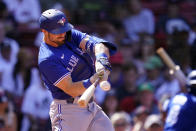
[{"x": 66, "y": 62}]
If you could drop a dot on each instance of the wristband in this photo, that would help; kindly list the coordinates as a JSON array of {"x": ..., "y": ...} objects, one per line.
[
  {"x": 87, "y": 83},
  {"x": 101, "y": 55},
  {"x": 103, "y": 59}
]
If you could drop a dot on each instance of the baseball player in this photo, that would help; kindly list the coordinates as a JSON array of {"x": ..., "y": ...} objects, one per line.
[
  {"x": 181, "y": 115},
  {"x": 70, "y": 61}
]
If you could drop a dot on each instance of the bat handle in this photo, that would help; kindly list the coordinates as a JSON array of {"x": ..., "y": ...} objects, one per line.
[
  {"x": 97, "y": 81},
  {"x": 84, "y": 99}
]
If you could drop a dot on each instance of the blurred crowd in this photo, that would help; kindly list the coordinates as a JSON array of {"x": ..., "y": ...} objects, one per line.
[{"x": 141, "y": 83}]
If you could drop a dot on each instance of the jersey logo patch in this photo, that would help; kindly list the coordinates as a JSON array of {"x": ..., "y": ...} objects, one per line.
[
  {"x": 62, "y": 57},
  {"x": 72, "y": 63}
]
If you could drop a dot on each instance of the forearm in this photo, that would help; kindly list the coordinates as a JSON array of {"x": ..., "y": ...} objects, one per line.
[
  {"x": 71, "y": 88},
  {"x": 101, "y": 48},
  {"x": 75, "y": 88}
]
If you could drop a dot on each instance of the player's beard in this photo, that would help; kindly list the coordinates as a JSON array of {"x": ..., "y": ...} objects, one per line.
[
  {"x": 56, "y": 40},
  {"x": 60, "y": 42}
]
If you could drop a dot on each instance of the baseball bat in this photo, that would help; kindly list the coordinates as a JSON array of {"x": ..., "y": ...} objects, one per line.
[
  {"x": 88, "y": 93},
  {"x": 172, "y": 66}
]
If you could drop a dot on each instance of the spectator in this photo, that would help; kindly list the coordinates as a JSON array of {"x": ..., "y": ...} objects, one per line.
[
  {"x": 169, "y": 87},
  {"x": 147, "y": 45},
  {"x": 127, "y": 92},
  {"x": 22, "y": 78},
  {"x": 36, "y": 109},
  {"x": 22, "y": 71},
  {"x": 116, "y": 75},
  {"x": 110, "y": 104},
  {"x": 153, "y": 75},
  {"x": 8, "y": 120},
  {"x": 179, "y": 48},
  {"x": 109, "y": 32},
  {"x": 178, "y": 30},
  {"x": 10, "y": 23},
  {"x": 121, "y": 121},
  {"x": 146, "y": 98},
  {"x": 153, "y": 123},
  {"x": 70, "y": 5},
  {"x": 92, "y": 8},
  {"x": 139, "y": 116},
  {"x": 8, "y": 57},
  {"x": 139, "y": 20},
  {"x": 3, "y": 10},
  {"x": 23, "y": 13},
  {"x": 172, "y": 20},
  {"x": 128, "y": 52},
  {"x": 192, "y": 34}
]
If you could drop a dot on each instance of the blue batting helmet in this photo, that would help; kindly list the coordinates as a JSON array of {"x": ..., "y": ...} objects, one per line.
[
  {"x": 191, "y": 82},
  {"x": 54, "y": 21},
  {"x": 191, "y": 79}
]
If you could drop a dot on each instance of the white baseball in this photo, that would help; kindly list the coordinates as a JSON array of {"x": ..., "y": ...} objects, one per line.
[{"x": 105, "y": 85}]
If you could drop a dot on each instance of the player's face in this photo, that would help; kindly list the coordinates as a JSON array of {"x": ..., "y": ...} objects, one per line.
[{"x": 59, "y": 39}]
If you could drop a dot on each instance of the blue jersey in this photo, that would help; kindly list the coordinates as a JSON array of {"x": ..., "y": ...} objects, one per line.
[
  {"x": 55, "y": 63},
  {"x": 181, "y": 113}
]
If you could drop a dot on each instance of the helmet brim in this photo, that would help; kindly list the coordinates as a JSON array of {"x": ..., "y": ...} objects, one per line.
[
  {"x": 67, "y": 27},
  {"x": 192, "y": 82}
]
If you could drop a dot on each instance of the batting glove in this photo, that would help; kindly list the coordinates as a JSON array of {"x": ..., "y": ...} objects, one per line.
[{"x": 103, "y": 66}]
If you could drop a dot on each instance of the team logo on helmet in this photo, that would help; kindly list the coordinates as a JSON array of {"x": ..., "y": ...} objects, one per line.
[{"x": 62, "y": 21}]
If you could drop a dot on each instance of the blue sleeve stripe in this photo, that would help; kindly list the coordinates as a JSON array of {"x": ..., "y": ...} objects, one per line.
[
  {"x": 89, "y": 46},
  {"x": 61, "y": 78}
]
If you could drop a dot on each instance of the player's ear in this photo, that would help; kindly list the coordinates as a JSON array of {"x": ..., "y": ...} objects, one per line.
[{"x": 42, "y": 30}]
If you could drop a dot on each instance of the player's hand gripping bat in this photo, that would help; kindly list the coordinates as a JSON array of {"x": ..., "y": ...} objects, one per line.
[{"x": 89, "y": 92}]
